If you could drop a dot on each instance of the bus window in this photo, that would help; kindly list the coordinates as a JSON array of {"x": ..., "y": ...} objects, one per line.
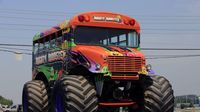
[
  {"x": 53, "y": 43},
  {"x": 41, "y": 47},
  {"x": 36, "y": 46},
  {"x": 46, "y": 45},
  {"x": 66, "y": 37},
  {"x": 105, "y": 42},
  {"x": 133, "y": 39},
  {"x": 113, "y": 40},
  {"x": 110, "y": 36},
  {"x": 122, "y": 40},
  {"x": 59, "y": 41}
]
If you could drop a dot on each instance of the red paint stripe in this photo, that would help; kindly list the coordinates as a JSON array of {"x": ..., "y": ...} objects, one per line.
[
  {"x": 125, "y": 77},
  {"x": 118, "y": 104}
]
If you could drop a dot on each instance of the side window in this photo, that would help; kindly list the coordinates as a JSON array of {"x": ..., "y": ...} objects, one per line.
[
  {"x": 53, "y": 43},
  {"x": 36, "y": 47},
  {"x": 65, "y": 42},
  {"x": 59, "y": 41},
  {"x": 46, "y": 45},
  {"x": 41, "y": 47}
]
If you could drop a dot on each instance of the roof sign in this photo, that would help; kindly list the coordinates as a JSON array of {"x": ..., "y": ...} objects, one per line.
[{"x": 111, "y": 19}]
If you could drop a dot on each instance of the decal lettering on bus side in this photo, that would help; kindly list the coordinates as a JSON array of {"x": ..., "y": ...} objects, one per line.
[
  {"x": 58, "y": 55},
  {"x": 41, "y": 59},
  {"x": 53, "y": 56}
]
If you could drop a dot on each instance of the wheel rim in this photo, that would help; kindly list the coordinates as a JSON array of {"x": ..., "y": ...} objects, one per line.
[
  {"x": 25, "y": 102},
  {"x": 59, "y": 103}
]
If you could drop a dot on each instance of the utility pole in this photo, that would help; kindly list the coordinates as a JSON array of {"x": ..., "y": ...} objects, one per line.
[{"x": 186, "y": 98}]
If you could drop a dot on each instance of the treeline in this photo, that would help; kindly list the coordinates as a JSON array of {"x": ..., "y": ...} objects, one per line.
[{"x": 5, "y": 101}]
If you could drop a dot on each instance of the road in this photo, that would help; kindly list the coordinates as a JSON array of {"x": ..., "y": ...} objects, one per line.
[{"x": 187, "y": 110}]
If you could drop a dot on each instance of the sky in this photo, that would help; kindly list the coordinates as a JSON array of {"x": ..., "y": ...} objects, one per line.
[{"x": 164, "y": 24}]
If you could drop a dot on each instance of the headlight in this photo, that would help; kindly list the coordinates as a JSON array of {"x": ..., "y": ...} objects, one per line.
[{"x": 98, "y": 66}]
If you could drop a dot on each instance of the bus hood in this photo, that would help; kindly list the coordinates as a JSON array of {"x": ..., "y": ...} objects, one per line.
[{"x": 98, "y": 56}]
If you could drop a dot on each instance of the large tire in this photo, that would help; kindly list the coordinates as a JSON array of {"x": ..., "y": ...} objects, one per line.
[
  {"x": 153, "y": 96},
  {"x": 159, "y": 95},
  {"x": 35, "y": 97},
  {"x": 74, "y": 94},
  {"x": 168, "y": 95}
]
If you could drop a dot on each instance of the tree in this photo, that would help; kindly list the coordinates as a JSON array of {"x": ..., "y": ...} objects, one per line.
[{"x": 5, "y": 101}]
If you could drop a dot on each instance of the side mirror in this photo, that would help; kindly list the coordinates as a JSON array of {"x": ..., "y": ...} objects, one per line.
[{"x": 148, "y": 67}]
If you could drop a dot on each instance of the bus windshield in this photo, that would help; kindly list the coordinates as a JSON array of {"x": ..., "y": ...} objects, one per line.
[{"x": 106, "y": 36}]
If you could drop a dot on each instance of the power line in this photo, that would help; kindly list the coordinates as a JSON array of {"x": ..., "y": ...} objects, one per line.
[
  {"x": 174, "y": 57},
  {"x": 33, "y": 13},
  {"x": 171, "y": 33},
  {"x": 32, "y": 10},
  {"x": 57, "y": 13},
  {"x": 30, "y": 18},
  {"x": 37, "y": 25},
  {"x": 16, "y": 48},
  {"x": 42, "y": 25},
  {"x": 167, "y": 23},
  {"x": 155, "y": 56},
  {"x": 39, "y": 11},
  {"x": 3, "y": 50},
  {"x": 21, "y": 45},
  {"x": 150, "y": 29},
  {"x": 193, "y": 30},
  {"x": 20, "y": 29},
  {"x": 177, "y": 49},
  {"x": 183, "y": 55},
  {"x": 178, "y": 19},
  {"x": 53, "y": 12},
  {"x": 166, "y": 16},
  {"x": 50, "y": 19},
  {"x": 171, "y": 49},
  {"x": 69, "y": 16}
]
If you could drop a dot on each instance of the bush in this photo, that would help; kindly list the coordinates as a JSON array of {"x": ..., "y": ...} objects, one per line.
[{"x": 5, "y": 101}]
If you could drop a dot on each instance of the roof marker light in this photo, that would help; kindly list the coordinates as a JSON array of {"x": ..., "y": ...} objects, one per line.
[
  {"x": 126, "y": 22},
  {"x": 87, "y": 18},
  {"x": 132, "y": 22},
  {"x": 81, "y": 18}
]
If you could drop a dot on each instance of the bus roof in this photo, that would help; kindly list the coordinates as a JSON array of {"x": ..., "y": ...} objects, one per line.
[
  {"x": 95, "y": 19},
  {"x": 104, "y": 19},
  {"x": 51, "y": 30}
]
